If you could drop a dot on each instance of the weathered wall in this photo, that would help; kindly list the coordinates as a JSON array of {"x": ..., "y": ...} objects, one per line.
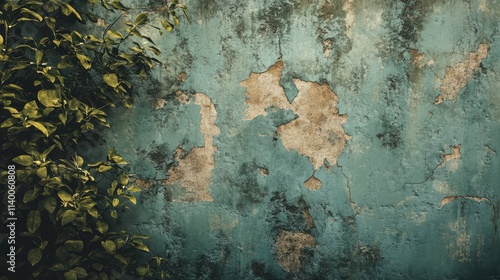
[{"x": 321, "y": 140}]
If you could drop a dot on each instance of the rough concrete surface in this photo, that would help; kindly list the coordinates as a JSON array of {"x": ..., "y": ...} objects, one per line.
[{"x": 320, "y": 140}]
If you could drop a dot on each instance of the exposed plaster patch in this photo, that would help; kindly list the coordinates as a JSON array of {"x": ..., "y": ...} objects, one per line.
[
  {"x": 182, "y": 97},
  {"x": 327, "y": 47},
  {"x": 349, "y": 14},
  {"x": 264, "y": 171},
  {"x": 264, "y": 91},
  {"x": 194, "y": 172},
  {"x": 458, "y": 76},
  {"x": 459, "y": 248},
  {"x": 313, "y": 183},
  {"x": 450, "y": 199},
  {"x": 455, "y": 154},
  {"x": 160, "y": 102},
  {"x": 289, "y": 246},
  {"x": 182, "y": 76},
  {"x": 317, "y": 132},
  {"x": 417, "y": 58}
]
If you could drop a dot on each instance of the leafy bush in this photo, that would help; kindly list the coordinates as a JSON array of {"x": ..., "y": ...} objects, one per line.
[{"x": 59, "y": 75}]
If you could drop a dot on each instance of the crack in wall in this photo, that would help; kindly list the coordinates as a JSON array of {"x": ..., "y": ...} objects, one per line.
[{"x": 450, "y": 199}]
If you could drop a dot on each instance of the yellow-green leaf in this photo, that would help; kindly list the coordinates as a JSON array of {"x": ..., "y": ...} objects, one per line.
[
  {"x": 111, "y": 80},
  {"x": 167, "y": 25},
  {"x": 70, "y": 275},
  {"x": 49, "y": 98},
  {"x": 64, "y": 196},
  {"x": 104, "y": 168},
  {"x": 42, "y": 172},
  {"x": 40, "y": 127},
  {"x": 102, "y": 226},
  {"x": 176, "y": 20},
  {"x": 115, "y": 34},
  {"x": 74, "y": 245},
  {"x": 141, "y": 19},
  {"x": 36, "y": 15},
  {"x": 134, "y": 188},
  {"x": 115, "y": 202},
  {"x": 34, "y": 256},
  {"x": 114, "y": 214},
  {"x": 63, "y": 117},
  {"x": 72, "y": 10},
  {"x": 38, "y": 57},
  {"x": 120, "y": 258},
  {"x": 23, "y": 160},
  {"x": 33, "y": 221},
  {"x": 1, "y": 39},
  {"x": 109, "y": 246},
  {"x": 68, "y": 217},
  {"x": 84, "y": 60},
  {"x": 50, "y": 204}
]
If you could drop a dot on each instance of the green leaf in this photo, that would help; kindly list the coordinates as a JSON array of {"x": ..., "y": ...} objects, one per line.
[
  {"x": 23, "y": 160},
  {"x": 167, "y": 25},
  {"x": 114, "y": 214},
  {"x": 34, "y": 220},
  {"x": 30, "y": 195},
  {"x": 140, "y": 246},
  {"x": 111, "y": 80},
  {"x": 73, "y": 104},
  {"x": 50, "y": 204},
  {"x": 38, "y": 57},
  {"x": 118, "y": 5},
  {"x": 36, "y": 15},
  {"x": 72, "y": 10},
  {"x": 30, "y": 109},
  {"x": 57, "y": 267},
  {"x": 40, "y": 127},
  {"x": 63, "y": 117},
  {"x": 70, "y": 275},
  {"x": 115, "y": 34},
  {"x": 64, "y": 196},
  {"x": 68, "y": 217},
  {"x": 34, "y": 256},
  {"x": 109, "y": 246},
  {"x": 141, "y": 19},
  {"x": 42, "y": 173},
  {"x": 49, "y": 98},
  {"x": 74, "y": 245},
  {"x": 80, "y": 272},
  {"x": 102, "y": 226},
  {"x": 85, "y": 61},
  {"x": 120, "y": 258},
  {"x": 134, "y": 188},
  {"x": 104, "y": 168},
  {"x": 141, "y": 270}
]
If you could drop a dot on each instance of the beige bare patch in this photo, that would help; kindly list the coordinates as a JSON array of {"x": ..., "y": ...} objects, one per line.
[
  {"x": 313, "y": 183},
  {"x": 317, "y": 132},
  {"x": 327, "y": 47},
  {"x": 143, "y": 184},
  {"x": 182, "y": 76},
  {"x": 458, "y": 76},
  {"x": 264, "y": 91},
  {"x": 182, "y": 97},
  {"x": 194, "y": 171},
  {"x": 455, "y": 154},
  {"x": 450, "y": 199},
  {"x": 289, "y": 246},
  {"x": 160, "y": 102}
]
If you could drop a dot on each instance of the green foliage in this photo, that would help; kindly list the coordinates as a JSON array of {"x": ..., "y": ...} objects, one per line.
[{"x": 56, "y": 83}]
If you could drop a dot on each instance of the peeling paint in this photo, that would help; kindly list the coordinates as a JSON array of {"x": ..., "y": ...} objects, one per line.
[
  {"x": 160, "y": 102},
  {"x": 317, "y": 132},
  {"x": 289, "y": 248},
  {"x": 450, "y": 199},
  {"x": 308, "y": 218},
  {"x": 264, "y": 91},
  {"x": 458, "y": 76},
  {"x": 194, "y": 172},
  {"x": 455, "y": 154},
  {"x": 313, "y": 183}
]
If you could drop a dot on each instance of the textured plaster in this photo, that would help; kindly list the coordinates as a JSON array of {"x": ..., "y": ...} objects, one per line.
[{"x": 333, "y": 140}]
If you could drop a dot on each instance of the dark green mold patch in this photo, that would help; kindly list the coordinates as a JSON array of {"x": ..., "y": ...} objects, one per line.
[
  {"x": 250, "y": 191},
  {"x": 288, "y": 215}
]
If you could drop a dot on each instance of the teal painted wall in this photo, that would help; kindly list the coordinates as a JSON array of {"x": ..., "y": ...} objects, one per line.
[{"x": 321, "y": 140}]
